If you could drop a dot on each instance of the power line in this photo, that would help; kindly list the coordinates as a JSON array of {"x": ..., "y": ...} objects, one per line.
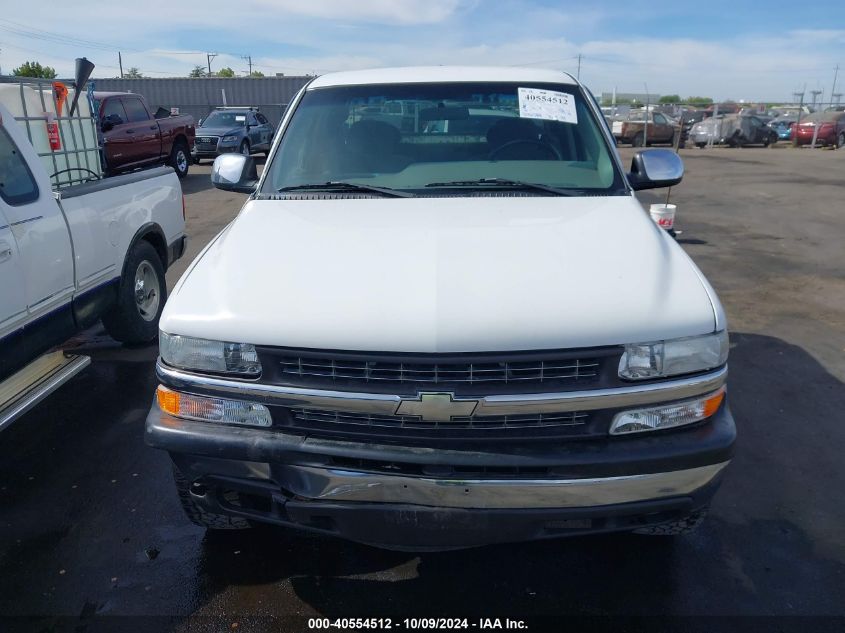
[{"x": 24, "y": 30}]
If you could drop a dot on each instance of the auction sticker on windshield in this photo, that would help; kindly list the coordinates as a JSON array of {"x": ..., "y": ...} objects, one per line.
[{"x": 547, "y": 104}]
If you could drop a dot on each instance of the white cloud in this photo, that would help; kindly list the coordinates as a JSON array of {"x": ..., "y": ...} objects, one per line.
[{"x": 376, "y": 11}]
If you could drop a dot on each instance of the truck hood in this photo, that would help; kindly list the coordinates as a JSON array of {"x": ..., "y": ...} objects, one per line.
[{"x": 441, "y": 275}]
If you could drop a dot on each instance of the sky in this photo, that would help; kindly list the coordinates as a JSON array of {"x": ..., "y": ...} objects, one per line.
[{"x": 724, "y": 50}]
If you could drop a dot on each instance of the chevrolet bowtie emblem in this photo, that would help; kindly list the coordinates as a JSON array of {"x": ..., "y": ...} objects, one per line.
[{"x": 436, "y": 407}]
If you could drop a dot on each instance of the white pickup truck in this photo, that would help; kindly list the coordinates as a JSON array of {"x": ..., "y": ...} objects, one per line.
[
  {"x": 432, "y": 336},
  {"x": 72, "y": 254}
]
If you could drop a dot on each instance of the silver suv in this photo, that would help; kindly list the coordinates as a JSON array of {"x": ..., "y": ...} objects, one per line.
[{"x": 233, "y": 129}]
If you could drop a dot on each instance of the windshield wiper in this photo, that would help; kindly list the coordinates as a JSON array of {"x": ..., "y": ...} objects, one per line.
[
  {"x": 505, "y": 182},
  {"x": 334, "y": 185}
]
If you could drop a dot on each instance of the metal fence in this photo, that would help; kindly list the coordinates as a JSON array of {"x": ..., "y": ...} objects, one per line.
[{"x": 199, "y": 96}]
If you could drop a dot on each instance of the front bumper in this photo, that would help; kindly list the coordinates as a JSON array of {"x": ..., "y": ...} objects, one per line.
[
  {"x": 394, "y": 496},
  {"x": 207, "y": 152}
]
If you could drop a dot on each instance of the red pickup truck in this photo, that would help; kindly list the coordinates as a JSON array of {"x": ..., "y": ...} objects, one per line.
[{"x": 134, "y": 137}]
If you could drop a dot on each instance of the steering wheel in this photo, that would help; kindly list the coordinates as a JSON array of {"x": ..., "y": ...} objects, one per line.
[{"x": 551, "y": 149}]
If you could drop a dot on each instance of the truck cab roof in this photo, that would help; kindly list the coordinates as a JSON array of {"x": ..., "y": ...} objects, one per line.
[{"x": 432, "y": 74}]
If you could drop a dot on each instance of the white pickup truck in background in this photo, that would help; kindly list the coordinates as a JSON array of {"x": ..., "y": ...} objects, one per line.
[{"x": 71, "y": 254}]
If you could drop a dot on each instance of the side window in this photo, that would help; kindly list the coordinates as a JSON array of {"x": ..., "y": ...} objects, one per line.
[
  {"x": 261, "y": 118},
  {"x": 659, "y": 119},
  {"x": 135, "y": 110},
  {"x": 113, "y": 106},
  {"x": 252, "y": 119},
  {"x": 17, "y": 186}
]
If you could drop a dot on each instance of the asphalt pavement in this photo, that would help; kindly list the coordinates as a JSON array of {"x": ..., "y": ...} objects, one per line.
[{"x": 90, "y": 525}]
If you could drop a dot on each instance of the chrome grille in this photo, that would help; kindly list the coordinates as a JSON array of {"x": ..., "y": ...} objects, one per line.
[
  {"x": 207, "y": 140},
  {"x": 491, "y": 422},
  {"x": 441, "y": 372}
]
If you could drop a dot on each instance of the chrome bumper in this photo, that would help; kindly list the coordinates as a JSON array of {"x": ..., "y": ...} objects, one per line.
[
  {"x": 319, "y": 484},
  {"x": 387, "y": 404}
]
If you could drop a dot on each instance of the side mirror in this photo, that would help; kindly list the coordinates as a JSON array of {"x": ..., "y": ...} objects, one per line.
[
  {"x": 110, "y": 121},
  {"x": 199, "y": 123},
  {"x": 234, "y": 172},
  {"x": 655, "y": 168}
]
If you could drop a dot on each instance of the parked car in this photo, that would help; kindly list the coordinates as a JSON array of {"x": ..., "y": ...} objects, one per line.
[
  {"x": 831, "y": 129},
  {"x": 688, "y": 119},
  {"x": 735, "y": 130},
  {"x": 783, "y": 127},
  {"x": 233, "y": 129},
  {"x": 371, "y": 348},
  {"x": 74, "y": 254},
  {"x": 134, "y": 137},
  {"x": 633, "y": 130},
  {"x": 723, "y": 108}
]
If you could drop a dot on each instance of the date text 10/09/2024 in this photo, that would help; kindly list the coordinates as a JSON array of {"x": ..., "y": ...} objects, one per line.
[{"x": 415, "y": 624}]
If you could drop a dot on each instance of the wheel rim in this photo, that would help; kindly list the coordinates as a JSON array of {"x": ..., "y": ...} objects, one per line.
[
  {"x": 147, "y": 295},
  {"x": 181, "y": 160}
]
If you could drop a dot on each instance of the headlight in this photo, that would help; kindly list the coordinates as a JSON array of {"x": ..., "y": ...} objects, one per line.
[
  {"x": 230, "y": 139},
  {"x": 667, "y": 416},
  {"x": 674, "y": 357},
  {"x": 199, "y": 354}
]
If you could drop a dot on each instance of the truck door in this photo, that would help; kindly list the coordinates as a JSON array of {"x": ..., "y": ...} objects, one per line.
[
  {"x": 663, "y": 130},
  {"x": 13, "y": 296},
  {"x": 36, "y": 237},
  {"x": 146, "y": 136},
  {"x": 117, "y": 139}
]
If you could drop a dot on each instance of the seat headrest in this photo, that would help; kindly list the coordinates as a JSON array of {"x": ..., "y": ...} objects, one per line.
[
  {"x": 509, "y": 130},
  {"x": 372, "y": 135}
]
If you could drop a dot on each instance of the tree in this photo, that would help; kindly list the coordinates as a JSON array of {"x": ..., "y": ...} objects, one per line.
[
  {"x": 256, "y": 73},
  {"x": 226, "y": 72},
  {"x": 133, "y": 73},
  {"x": 669, "y": 99},
  {"x": 699, "y": 101},
  {"x": 34, "y": 69},
  {"x": 198, "y": 71}
]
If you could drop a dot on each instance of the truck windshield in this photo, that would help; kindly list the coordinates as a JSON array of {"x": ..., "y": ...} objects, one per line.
[
  {"x": 434, "y": 136},
  {"x": 225, "y": 119}
]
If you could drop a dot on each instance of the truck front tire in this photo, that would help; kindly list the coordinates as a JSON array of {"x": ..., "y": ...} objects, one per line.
[
  {"x": 140, "y": 297},
  {"x": 199, "y": 516}
]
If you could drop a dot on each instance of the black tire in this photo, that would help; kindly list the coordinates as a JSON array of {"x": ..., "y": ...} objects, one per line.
[
  {"x": 244, "y": 148},
  {"x": 134, "y": 319},
  {"x": 638, "y": 140},
  {"x": 701, "y": 145},
  {"x": 180, "y": 158},
  {"x": 197, "y": 161},
  {"x": 199, "y": 516},
  {"x": 840, "y": 140},
  {"x": 684, "y": 525}
]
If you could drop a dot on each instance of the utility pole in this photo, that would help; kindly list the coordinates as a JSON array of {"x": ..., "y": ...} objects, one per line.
[
  {"x": 209, "y": 57},
  {"x": 248, "y": 58},
  {"x": 120, "y": 63},
  {"x": 578, "y": 74},
  {"x": 799, "y": 95},
  {"x": 833, "y": 89}
]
